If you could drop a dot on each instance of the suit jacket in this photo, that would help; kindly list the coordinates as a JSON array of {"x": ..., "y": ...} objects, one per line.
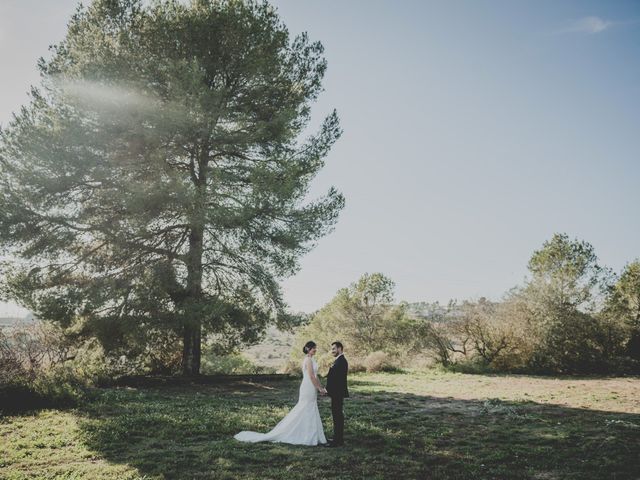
[{"x": 337, "y": 378}]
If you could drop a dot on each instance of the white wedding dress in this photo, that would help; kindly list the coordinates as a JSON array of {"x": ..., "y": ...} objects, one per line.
[{"x": 302, "y": 425}]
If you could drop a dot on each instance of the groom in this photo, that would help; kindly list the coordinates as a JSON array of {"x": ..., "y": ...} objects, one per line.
[{"x": 337, "y": 390}]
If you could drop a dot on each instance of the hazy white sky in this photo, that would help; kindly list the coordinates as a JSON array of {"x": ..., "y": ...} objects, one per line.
[{"x": 473, "y": 130}]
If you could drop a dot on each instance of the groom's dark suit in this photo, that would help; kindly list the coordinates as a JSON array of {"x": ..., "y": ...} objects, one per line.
[{"x": 337, "y": 390}]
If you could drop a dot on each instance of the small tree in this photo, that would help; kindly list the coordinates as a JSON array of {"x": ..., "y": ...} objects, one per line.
[
  {"x": 483, "y": 327},
  {"x": 564, "y": 295},
  {"x": 363, "y": 317},
  {"x": 365, "y": 306},
  {"x": 623, "y": 305},
  {"x": 441, "y": 335},
  {"x": 565, "y": 272}
]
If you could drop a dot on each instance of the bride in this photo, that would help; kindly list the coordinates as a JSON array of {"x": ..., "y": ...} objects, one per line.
[{"x": 302, "y": 425}]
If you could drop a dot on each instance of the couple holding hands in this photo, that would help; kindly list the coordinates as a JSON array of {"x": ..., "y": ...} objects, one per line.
[{"x": 302, "y": 425}]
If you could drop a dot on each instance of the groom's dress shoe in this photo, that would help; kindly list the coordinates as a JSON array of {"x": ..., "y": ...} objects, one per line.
[{"x": 333, "y": 444}]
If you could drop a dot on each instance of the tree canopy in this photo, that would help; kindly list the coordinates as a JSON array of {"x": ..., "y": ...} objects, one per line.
[{"x": 158, "y": 179}]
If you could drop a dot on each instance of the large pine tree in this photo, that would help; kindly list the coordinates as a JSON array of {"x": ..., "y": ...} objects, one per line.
[{"x": 157, "y": 178}]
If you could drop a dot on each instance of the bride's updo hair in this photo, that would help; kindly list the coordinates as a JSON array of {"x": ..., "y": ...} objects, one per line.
[{"x": 308, "y": 346}]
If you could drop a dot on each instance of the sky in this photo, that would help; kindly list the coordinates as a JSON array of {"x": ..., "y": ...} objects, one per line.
[{"x": 473, "y": 131}]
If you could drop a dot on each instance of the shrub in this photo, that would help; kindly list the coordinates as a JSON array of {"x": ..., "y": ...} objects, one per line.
[
  {"x": 52, "y": 387},
  {"x": 293, "y": 366},
  {"x": 572, "y": 342},
  {"x": 24, "y": 350},
  {"x": 471, "y": 365},
  {"x": 42, "y": 366},
  {"x": 356, "y": 364},
  {"x": 379, "y": 362},
  {"x": 231, "y": 364}
]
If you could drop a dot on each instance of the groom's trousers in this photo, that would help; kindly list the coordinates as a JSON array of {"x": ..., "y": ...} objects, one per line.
[{"x": 338, "y": 418}]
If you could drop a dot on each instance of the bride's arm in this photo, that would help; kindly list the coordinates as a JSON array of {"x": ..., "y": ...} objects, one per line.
[{"x": 312, "y": 375}]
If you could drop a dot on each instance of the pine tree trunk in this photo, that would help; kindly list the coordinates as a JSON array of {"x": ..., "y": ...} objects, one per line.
[
  {"x": 193, "y": 326},
  {"x": 191, "y": 350}
]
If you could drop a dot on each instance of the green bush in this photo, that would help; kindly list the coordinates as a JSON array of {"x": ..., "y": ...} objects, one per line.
[
  {"x": 231, "y": 364},
  {"x": 54, "y": 387},
  {"x": 40, "y": 367},
  {"x": 473, "y": 365},
  {"x": 62, "y": 385},
  {"x": 572, "y": 342}
]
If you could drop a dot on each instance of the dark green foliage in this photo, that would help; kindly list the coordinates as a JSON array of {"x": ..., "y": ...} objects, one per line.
[
  {"x": 58, "y": 387},
  {"x": 572, "y": 342},
  {"x": 565, "y": 297},
  {"x": 565, "y": 272},
  {"x": 623, "y": 304}
]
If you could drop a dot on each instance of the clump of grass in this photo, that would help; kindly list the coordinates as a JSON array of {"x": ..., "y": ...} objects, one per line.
[{"x": 495, "y": 406}]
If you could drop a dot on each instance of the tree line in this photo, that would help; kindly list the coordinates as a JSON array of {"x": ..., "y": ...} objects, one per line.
[{"x": 571, "y": 315}]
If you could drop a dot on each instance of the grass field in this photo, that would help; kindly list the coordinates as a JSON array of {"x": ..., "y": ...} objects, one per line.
[{"x": 398, "y": 426}]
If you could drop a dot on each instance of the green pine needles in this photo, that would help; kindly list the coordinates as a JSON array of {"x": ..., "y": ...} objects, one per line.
[{"x": 157, "y": 180}]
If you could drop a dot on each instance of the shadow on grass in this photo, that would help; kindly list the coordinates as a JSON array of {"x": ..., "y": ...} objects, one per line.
[
  {"x": 554, "y": 376},
  {"x": 186, "y": 431}
]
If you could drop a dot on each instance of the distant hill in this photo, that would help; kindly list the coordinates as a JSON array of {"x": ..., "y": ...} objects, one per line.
[{"x": 10, "y": 322}]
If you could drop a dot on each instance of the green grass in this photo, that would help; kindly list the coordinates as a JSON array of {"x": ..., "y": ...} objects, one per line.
[{"x": 413, "y": 425}]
